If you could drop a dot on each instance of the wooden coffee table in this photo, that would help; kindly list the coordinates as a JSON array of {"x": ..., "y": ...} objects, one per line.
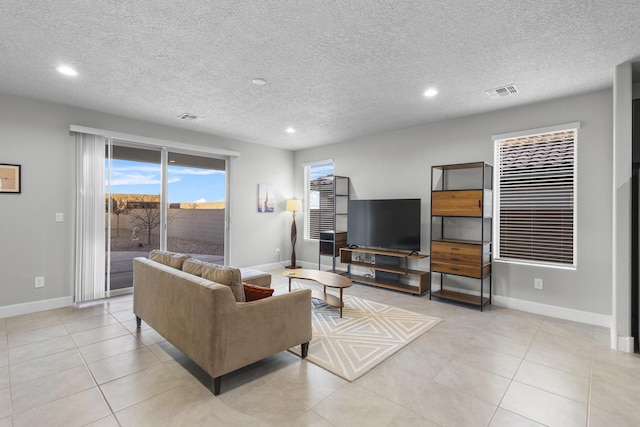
[{"x": 327, "y": 280}]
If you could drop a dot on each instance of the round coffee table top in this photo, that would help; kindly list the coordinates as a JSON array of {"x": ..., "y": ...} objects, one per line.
[{"x": 326, "y": 278}]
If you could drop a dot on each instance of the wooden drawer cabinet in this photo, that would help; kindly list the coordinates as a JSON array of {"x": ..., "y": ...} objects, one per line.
[{"x": 459, "y": 258}]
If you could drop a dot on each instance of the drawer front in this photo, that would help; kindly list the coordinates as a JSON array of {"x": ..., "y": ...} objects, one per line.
[
  {"x": 456, "y": 248},
  {"x": 462, "y": 269},
  {"x": 453, "y": 258},
  {"x": 457, "y": 203}
]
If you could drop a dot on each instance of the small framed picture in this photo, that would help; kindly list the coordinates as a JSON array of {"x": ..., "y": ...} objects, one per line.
[
  {"x": 9, "y": 179},
  {"x": 266, "y": 201}
]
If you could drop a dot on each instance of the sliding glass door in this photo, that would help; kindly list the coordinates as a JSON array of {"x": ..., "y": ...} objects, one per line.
[
  {"x": 156, "y": 199},
  {"x": 196, "y": 190},
  {"x": 132, "y": 193}
]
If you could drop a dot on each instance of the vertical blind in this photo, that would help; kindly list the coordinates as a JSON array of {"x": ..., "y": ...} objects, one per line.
[
  {"x": 90, "y": 218},
  {"x": 536, "y": 198}
]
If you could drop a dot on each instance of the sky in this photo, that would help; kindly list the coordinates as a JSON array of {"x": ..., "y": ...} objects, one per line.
[{"x": 186, "y": 184}]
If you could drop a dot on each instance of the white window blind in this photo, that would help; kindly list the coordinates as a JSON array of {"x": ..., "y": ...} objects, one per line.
[
  {"x": 317, "y": 181},
  {"x": 536, "y": 187}
]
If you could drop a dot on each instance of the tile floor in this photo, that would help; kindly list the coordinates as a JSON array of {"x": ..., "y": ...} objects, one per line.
[{"x": 89, "y": 365}]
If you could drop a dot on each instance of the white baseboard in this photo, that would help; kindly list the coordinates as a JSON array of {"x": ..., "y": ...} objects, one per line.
[
  {"x": 625, "y": 344},
  {"x": 32, "y": 307},
  {"x": 278, "y": 265},
  {"x": 554, "y": 311},
  {"x": 544, "y": 309}
]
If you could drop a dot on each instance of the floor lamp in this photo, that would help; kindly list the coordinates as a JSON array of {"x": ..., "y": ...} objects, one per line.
[{"x": 293, "y": 206}]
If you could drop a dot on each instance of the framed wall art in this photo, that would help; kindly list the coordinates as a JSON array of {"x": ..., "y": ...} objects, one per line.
[
  {"x": 265, "y": 198},
  {"x": 9, "y": 179}
]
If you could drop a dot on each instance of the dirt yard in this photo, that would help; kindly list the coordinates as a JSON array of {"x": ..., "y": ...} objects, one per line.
[{"x": 124, "y": 243}]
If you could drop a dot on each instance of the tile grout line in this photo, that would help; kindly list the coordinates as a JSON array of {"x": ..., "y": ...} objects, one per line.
[
  {"x": 590, "y": 379},
  {"x": 6, "y": 341},
  {"x": 522, "y": 359},
  {"x": 86, "y": 365}
]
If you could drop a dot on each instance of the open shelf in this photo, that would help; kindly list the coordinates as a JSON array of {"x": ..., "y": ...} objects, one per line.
[
  {"x": 461, "y": 297},
  {"x": 411, "y": 255},
  {"x": 415, "y": 290},
  {"x": 389, "y": 269}
]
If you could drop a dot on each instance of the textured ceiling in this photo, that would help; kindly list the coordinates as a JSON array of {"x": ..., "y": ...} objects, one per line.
[{"x": 336, "y": 70}]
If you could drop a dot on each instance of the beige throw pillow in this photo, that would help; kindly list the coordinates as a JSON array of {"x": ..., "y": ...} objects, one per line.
[
  {"x": 171, "y": 259},
  {"x": 226, "y": 276}
]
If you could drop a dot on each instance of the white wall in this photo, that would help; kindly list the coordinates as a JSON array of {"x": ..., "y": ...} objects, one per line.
[
  {"x": 397, "y": 164},
  {"x": 36, "y": 135}
]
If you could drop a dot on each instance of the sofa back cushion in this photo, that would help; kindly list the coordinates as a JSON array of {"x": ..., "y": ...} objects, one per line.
[
  {"x": 194, "y": 266},
  {"x": 171, "y": 259},
  {"x": 229, "y": 276}
]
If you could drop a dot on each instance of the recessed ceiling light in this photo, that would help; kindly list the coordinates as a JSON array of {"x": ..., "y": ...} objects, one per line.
[
  {"x": 67, "y": 71},
  {"x": 291, "y": 130},
  {"x": 430, "y": 92},
  {"x": 259, "y": 82}
]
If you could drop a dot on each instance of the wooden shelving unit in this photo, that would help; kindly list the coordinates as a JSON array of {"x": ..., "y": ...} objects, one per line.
[
  {"x": 462, "y": 193},
  {"x": 333, "y": 192},
  {"x": 395, "y": 270}
]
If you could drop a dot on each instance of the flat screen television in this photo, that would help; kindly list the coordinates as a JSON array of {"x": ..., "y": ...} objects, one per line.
[{"x": 384, "y": 223}]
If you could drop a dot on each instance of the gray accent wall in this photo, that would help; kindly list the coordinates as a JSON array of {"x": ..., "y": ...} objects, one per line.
[
  {"x": 36, "y": 135},
  {"x": 398, "y": 165}
]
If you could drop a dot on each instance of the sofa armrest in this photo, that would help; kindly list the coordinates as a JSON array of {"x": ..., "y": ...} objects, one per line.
[{"x": 248, "y": 332}]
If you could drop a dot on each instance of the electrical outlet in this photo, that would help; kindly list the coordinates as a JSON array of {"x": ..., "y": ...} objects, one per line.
[
  {"x": 277, "y": 251},
  {"x": 537, "y": 283},
  {"x": 39, "y": 283}
]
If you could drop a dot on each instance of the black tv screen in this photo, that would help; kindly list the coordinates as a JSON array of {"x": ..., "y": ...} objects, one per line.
[{"x": 384, "y": 223}]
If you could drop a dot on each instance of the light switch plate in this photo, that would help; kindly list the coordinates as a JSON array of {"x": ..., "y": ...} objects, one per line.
[
  {"x": 537, "y": 284},
  {"x": 59, "y": 217}
]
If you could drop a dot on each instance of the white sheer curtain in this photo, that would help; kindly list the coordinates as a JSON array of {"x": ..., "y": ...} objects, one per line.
[{"x": 90, "y": 218}]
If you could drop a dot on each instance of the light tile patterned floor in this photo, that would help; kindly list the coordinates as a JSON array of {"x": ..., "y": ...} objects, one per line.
[{"x": 89, "y": 365}]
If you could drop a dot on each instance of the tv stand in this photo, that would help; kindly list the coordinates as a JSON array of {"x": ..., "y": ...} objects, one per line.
[{"x": 389, "y": 269}]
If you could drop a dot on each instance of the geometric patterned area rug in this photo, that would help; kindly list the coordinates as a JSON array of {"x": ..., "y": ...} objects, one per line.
[{"x": 367, "y": 334}]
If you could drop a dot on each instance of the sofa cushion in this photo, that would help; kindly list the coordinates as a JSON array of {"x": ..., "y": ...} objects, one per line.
[
  {"x": 255, "y": 277},
  {"x": 254, "y": 292},
  {"x": 172, "y": 259},
  {"x": 194, "y": 266},
  {"x": 229, "y": 276}
]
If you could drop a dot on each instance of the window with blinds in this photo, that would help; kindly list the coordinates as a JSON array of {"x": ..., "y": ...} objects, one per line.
[
  {"x": 535, "y": 197},
  {"x": 318, "y": 199}
]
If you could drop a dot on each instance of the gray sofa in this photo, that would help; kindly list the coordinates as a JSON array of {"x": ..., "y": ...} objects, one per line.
[{"x": 205, "y": 321}]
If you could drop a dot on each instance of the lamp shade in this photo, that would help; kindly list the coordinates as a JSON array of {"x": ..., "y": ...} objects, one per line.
[{"x": 294, "y": 205}]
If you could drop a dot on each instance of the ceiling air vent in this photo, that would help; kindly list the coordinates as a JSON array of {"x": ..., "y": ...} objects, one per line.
[
  {"x": 190, "y": 117},
  {"x": 502, "y": 91}
]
